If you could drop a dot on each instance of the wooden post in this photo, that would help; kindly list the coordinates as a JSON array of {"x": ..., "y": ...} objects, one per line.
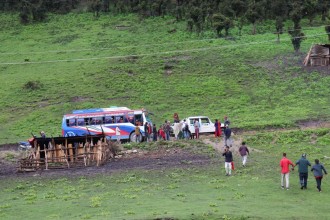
[
  {"x": 70, "y": 152},
  {"x": 46, "y": 158}
]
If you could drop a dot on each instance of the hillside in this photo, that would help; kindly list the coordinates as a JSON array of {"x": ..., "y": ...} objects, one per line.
[{"x": 75, "y": 61}]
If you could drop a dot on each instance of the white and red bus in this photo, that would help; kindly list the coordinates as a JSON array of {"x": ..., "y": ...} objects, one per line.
[{"x": 104, "y": 121}]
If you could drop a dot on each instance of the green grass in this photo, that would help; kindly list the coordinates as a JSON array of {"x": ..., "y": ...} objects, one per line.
[
  {"x": 202, "y": 192},
  {"x": 253, "y": 83}
]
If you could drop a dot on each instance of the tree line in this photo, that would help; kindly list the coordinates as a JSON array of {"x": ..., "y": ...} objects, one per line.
[{"x": 200, "y": 15}]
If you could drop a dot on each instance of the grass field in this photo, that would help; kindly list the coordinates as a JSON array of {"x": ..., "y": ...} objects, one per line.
[
  {"x": 75, "y": 61},
  {"x": 195, "y": 193}
]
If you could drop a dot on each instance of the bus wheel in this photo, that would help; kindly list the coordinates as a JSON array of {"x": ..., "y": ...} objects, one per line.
[{"x": 132, "y": 137}]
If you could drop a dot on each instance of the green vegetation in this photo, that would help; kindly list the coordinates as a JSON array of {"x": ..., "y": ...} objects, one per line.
[
  {"x": 50, "y": 69},
  {"x": 77, "y": 61},
  {"x": 202, "y": 192}
]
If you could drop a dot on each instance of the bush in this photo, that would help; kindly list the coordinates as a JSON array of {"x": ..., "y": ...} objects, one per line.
[{"x": 33, "y": 85}]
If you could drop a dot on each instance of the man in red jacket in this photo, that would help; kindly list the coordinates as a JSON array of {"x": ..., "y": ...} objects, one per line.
[{"x": 285, "y": 170}]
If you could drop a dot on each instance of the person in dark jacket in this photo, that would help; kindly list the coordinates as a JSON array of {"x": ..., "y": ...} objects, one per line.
[
  {"x": 228, "y": 160},
  {"x": 154, "y": 132},
  {"x": 228, "y": 136},
  {"x": 317, "y": 170},
  {"x": 244, "y": 152},
  {"x": 303, "y": 171}
]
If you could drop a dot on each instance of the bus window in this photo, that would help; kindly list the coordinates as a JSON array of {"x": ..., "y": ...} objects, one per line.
[
  {"x": 80, "y": 122},
  {"x": 108, "y": 120},
  {"x": 71, "y": 122},
  {"x": 96, "y": 121},
  {"x": 119, "y": 119}
]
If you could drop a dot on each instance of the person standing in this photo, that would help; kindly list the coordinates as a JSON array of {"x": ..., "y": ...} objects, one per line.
[
  {"x": 317, "y": 171},
  {"x": 227, "y": 122},
  {"x": 228, "y": 160},
  {"x": 303, "y": 171},
  {"x": 137, "y": 134},
  {"x": 146, "y": 131},
  {"x": 227, "y": 132},
  {"x": 197, "y": 126},
  {"x": 217, "y": 126},
  {"x": 154, "y": 132},
  {"x": 285, "y": 171},
  {"x": 42, "y": 134},
  {"x": 118, "y": 134},
  {"x": 244, "y": 152},
  {"x": 167, "y": 129},
  {"x": 185, "y": 129}
]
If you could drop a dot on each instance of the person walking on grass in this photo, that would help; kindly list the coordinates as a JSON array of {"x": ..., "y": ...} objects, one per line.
[
  {"x": 285, "y": 171},
  {"x": 244, "y": 152},
  {"x": 303, "y": 171},
  {"x": 228, "y": 160},
  {"x": 228, "y": 136},
  {"x": 317, "y": 170}
]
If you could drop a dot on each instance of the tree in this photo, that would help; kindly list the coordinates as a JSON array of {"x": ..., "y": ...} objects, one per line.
[
  {"x": 323, "y": 7},
  {"x": 255, "y": 12},
  {"x": 279, "y": 11},
  {"x": 310, "y": 9},
  {"x": 279, "y": 27},
  {"x": 327, "y": 30},
  {"x": 221, "y": 22},
  {"x": 195, "y": 15},
  {"x": 296, "y": 15},
  {"x": 239, "y": 8}
]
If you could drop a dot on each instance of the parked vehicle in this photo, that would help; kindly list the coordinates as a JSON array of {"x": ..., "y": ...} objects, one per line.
[
  {"x": 105, "y": 121},
  {"x": 24, "y": 145},
  {"x": 206, "y": 125}
]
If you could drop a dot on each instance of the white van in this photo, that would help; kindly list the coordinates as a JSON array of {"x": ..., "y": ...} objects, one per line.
[{"x": 206, "y": 125}]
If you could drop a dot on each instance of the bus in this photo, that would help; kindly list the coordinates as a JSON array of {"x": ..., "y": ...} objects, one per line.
[{"x": 105, "y": 121}]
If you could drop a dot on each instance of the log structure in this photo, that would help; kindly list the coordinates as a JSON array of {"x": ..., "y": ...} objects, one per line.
[{"x": 66, "y": 152}]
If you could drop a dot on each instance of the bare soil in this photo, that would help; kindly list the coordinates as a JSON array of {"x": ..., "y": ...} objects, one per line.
[{"x": 159, "y": 159}]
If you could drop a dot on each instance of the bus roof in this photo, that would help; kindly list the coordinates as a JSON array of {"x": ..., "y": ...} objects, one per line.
[
  {"x": 100, "y": 112},
  {"x": 96, "y": 110}
]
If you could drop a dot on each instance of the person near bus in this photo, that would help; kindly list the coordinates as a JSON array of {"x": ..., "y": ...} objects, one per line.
[
  {"x": 154, "y": 132},
  {"x": 118, "y": 134},
  {"x": 137, "y": 134},
  {"x": 146, "y": 133}
]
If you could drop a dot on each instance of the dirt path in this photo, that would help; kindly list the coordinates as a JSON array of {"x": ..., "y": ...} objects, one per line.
[{"x": 219, "y": 144}]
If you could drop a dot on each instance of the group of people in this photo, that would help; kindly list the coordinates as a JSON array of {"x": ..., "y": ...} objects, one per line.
[
  {"x": 317, "y": 169},
  {"x": 229, "y": 161}
]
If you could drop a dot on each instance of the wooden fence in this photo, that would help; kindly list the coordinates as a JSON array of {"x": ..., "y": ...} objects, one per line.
[{"x": 66, "y": 152}]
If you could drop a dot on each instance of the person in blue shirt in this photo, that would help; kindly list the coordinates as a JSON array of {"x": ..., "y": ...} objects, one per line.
[
  {"x": 303, "y": 171},
  {"x": 317, "y": 169}
]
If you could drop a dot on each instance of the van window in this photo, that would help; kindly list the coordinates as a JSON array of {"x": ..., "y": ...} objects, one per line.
[
  {"x": 205, "y": 120},
  {"x": 192, "y": 121}
]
